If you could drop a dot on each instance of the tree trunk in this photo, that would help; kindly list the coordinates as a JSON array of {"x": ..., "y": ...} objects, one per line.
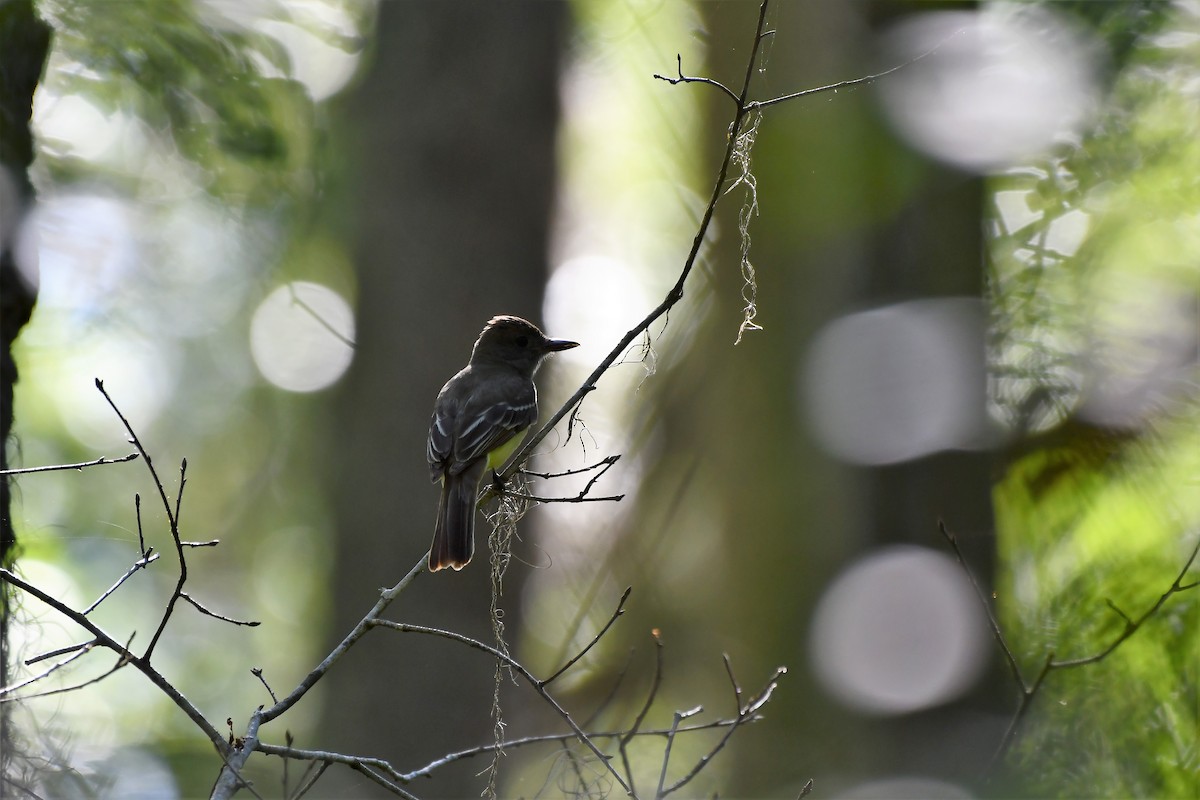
[
  {"x": 453, "y": 131},
  {"x": 24, "y": 42}
]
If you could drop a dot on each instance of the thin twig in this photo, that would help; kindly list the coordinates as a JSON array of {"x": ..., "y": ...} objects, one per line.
[
  {"x": 676, "y": 292},
  {"x": 99, "y": 462},
  {"x": 686, "y": 79},
  {"x": 258, "y": 673},
  {"x": 71, "y": 648},
  {"x": 993, "y": 623},
  {"x": 656, "y": 681},
  {"x": 678, "y": 717},
  {"x": 737, "y": 689},
  {"x": 137, "y": 509},
  {"x": 749, "y": 712},
  {"x": 330, "y": 757},
  {"x": 618, "y": 612},
  {"x": 140, "y": 663},
  {"x": 209, "y": 612},
  {"x": 1028, "y": 690},
  {"x": 359, "y": 630},
  {"x": 833, "y": 87},
  {"x": 310, "y": 779},
  {"x": 602, "y": 465},
  {"x": 139, "y": 564},
  {"x": 78, "y": 651},
  {"x": 382, "y": 781},
  {"x": 521, "y": 670},
  {"x": 1132, "y": 626},
  {"x": 324, "y": 756},
  {"x": 172, "y": 518},
  {"x": 579, "y": 498}
]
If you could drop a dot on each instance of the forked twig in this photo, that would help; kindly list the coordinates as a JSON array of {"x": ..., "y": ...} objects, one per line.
[
  {"x": 520, "y": 669},
  {"x": 1029, "y": 689}
]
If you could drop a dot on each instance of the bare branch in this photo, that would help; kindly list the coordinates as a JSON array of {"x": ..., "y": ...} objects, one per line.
[
  {"x": 641, "y": 715},
  {"x": 78, "y": 651},
  {"x": 749, "y": 712},
  {"x": 602, "y": 465},
  {"x": 520, "y": 669},
  {"x": 993, "y": 623},
  {"x": 71, "y": 648},
  {"x": 76, "y": 687},
  {"x": 1133, "y": 626},
  {"x": 678, "y": 717},
  {"x": 99, "y": 462},
  {"x": 172, "y": 517},
  {"x": 324, "y": 756},
  {"x": 676, "y": 292},
  {"x": 209, "y": 612},
  {"x": 143, "y": 665},
  {"x": 833, "y": 87},
  {"x": 141, "y": 563},
  {"x": 359, "y": 630},
  {"x": 1028, "y": 690},
  {"x": 133, "y": 439},
  {"x": 579, "y": 498},
  {"x": 258, "y": 673},
  {"x": 618, "y": 612},
  {"x": 137, "y": 508},
  {"x": 686, "y": 79},
  {"x": 230, "y": 779}
]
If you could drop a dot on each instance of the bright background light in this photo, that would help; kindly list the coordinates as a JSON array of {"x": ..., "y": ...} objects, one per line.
[
  {"x": 898, "y": 383},
  {"x": 990, "y": 86},
  {"x": 898, "y": 631},
  {"x": 301, "y": 337}
]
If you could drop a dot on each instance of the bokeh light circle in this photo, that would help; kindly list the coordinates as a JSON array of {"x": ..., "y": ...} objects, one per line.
[
  {"x": 899, "y": 631},
  {"x": 985, "y": 89},
  {"x": 302, "y": 336},
  {"x": 898, "y": 383}
]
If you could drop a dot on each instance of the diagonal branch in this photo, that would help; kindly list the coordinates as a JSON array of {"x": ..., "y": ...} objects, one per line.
[
  {"x": 519, "y": 668},
  {"x": 676, "y": 292},
  {"x": 140, "y": 662},
  {"x": 1029, "y": 689},
  {"x": 619, "y": 611}
]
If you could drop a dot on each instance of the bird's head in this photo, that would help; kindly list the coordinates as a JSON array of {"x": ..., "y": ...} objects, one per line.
[{"x": 517, "y": 342}]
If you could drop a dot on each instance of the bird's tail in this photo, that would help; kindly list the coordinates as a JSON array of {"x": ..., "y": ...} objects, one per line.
[{"x": 454, "y": 535}]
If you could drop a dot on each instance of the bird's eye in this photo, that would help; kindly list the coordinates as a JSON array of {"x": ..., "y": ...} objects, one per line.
[{"x": 522, "y": 341}]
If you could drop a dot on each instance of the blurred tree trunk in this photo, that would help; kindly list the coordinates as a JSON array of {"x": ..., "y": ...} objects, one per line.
[
  {"x": 834, "y": 233},
  {"x": 24, "y": 44},
  {"x": 452, "y": 139}
]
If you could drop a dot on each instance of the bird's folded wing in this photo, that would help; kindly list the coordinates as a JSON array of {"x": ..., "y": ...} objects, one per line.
[{"x": 490, "y": 427}]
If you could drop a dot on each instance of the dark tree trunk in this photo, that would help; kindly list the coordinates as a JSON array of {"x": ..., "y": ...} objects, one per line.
[
  {"x": 24, "y": 43},
  {"x": 453, "y": 137}
]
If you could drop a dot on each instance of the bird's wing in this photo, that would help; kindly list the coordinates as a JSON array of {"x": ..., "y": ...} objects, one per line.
[
  {"x": 443, "y": 426},
  {"x": 490, "y": 419}
]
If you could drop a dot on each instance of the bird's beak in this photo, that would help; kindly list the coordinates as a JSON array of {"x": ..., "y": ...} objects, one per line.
[{"x": 554, "y": 345}]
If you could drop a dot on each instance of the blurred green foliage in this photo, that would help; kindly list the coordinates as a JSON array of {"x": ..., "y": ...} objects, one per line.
[{"x": 1094, "y": 510}]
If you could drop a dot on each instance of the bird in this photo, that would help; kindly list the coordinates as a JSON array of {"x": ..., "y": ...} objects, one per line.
[{"x": 479, "y": 419}]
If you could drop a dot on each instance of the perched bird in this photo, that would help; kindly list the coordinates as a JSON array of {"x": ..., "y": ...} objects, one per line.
[{"x": 480, "y": 418}]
